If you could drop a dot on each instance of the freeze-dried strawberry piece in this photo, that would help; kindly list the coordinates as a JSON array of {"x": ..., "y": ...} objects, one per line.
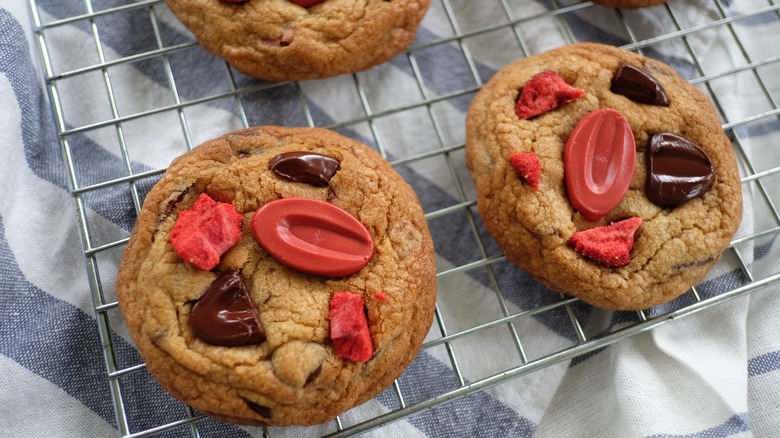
[
  {"x": 544, "y": 92},
  {"x": 609, "y": 245},
  {"x": 205, "y": 231},
  {"x": 527, "y": 167},
  {"x": 349, "y": 327}
]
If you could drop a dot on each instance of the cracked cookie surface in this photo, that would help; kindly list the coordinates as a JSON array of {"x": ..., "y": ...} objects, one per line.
[
  {"x": 674, "y": 247},
  {"x": 279, "y": 40},
  {"x": 294, "y": 376}
]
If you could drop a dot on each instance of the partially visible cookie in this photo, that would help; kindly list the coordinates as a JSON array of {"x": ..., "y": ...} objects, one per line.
[
  {"x": 629, "y": 4},
  {"x": 281, "y": 40},
  {"x": 603, "y": 174},
  {"x": 278, "y": 276}
]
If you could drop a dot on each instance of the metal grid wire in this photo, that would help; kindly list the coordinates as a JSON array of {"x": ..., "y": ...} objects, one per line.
[{"x": 97, "y": 70}]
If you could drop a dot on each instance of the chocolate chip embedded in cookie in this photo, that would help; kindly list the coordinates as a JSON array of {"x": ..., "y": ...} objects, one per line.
[
  {"x": 295, "y": 40},
  {"x": 299, "y": 281},
  {"x": 636, "y": 192}
]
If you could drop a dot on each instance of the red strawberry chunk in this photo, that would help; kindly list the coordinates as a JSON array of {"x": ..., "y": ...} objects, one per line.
[
  {"x": 609, "y": 245},
  {"x": 349, "y": 327},
  {"x": 205, "y": 231},
  {"x": 544, "y": 92},
  {"x": 527, "y": 167}
]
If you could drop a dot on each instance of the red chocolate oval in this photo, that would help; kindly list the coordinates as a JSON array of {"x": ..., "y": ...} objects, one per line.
[
  {"x": 226, "y": 315},
  {"x": 677, "y": 170},
  {"x": 599, "y": 159},
  {"x": 312, "y": 236}
]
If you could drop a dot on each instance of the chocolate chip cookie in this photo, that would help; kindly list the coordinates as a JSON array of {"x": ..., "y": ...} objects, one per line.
[
  {"x": 603, "y": 174},
  {"x": 278, "y": 276},
  {"x": 295, "y": 39}
]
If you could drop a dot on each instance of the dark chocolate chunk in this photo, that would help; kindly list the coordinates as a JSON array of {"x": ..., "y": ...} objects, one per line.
[
  {"x": 677, "y": 170},
  {"x": 313, "y": 376},
  {"x": 638, "y": 85},
  {"x": 695, "y": 264},
  {"x": 173, "y": 202},
  {"x": 226, "y": 315},
  {"x": 305, "y": 167},
  {"x": 264, "y": 411}
]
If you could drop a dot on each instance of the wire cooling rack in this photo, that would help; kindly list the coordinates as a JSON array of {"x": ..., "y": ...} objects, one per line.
[{"x": 97, "y": 71}]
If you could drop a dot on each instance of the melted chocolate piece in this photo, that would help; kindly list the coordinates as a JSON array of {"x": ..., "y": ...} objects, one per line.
[
  {"x": 226, "y": 315},
  {"x": 696, "y": 264},
  {"x": 283, "y": 41},
  {"x": 169, "y": 208},
  {"x": 305, "y": 167},
  {"x": 172, "y": 204},
  {"x": 677, "y": 170},
  {"x": 314, "y": 374},
  {"x": 638, "y": 85},
  {"x": 264, "y": 411}
]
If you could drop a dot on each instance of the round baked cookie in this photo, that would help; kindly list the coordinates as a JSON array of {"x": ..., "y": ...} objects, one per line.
[
  {"x": 639, "y": 252},
  {"x": 288, "y": 331},
  {"x": 279, "y": 40},
  {"x": 629, "y": 4}
]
